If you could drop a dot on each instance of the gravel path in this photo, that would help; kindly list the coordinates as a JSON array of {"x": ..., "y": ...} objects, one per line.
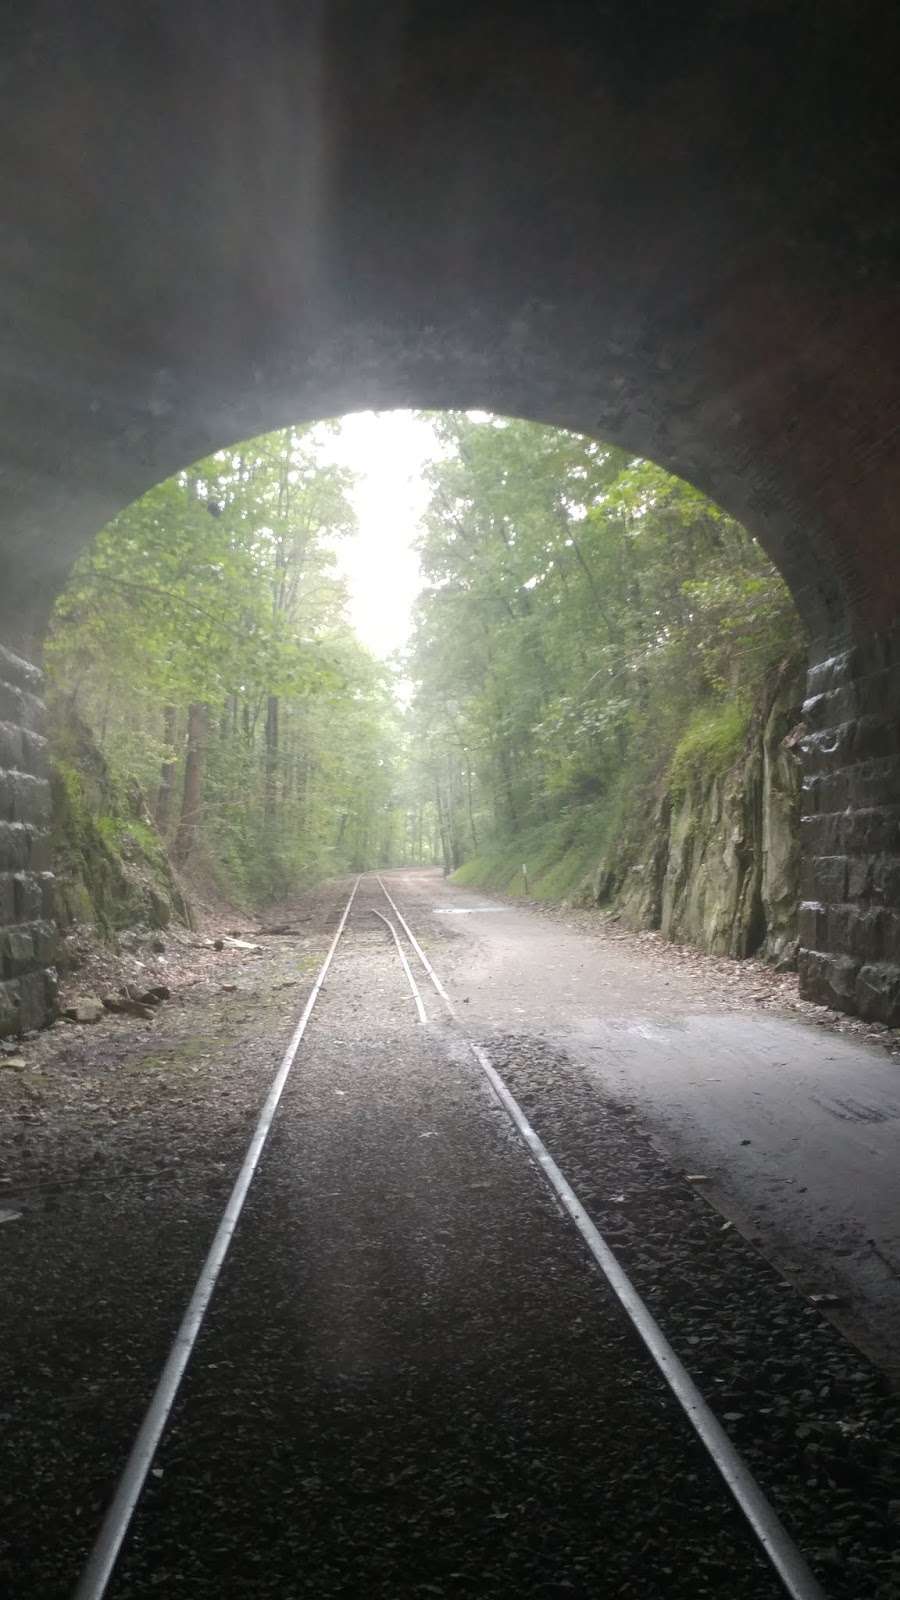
[
  {"x": 796, "y": 1124},
  {"x": 412, "y": 1381}
]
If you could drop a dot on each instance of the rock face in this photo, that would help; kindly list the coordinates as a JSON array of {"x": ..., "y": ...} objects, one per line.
[
  {"x": 721, "y": 864},
  {"x": 710, "y": 892},
  {"x": 780, "y": 833},
  {"x": 111, "y": 868}
]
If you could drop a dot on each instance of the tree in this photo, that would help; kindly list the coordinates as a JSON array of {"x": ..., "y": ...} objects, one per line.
[
  {"x": 204, "y": 638},
  {"x": 579, "y": 606}
]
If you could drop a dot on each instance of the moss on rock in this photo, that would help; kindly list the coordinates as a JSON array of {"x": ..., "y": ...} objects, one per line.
[{"x": 111, "y": 868}]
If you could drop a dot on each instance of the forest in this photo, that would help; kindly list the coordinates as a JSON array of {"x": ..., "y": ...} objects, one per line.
[{"x": 590, "y": 632}]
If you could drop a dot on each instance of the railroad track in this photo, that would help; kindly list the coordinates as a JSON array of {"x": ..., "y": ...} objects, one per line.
[{"x": 375, "y": 919}]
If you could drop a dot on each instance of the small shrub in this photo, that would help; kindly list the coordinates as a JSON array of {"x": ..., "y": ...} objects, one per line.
[{"x": 711, "y": 744}]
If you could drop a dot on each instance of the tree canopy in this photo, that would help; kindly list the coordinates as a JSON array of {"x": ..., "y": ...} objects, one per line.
[
  {"x": 581, "y": 608},
  {"x": 204, "y": 639},
  {"x": 588, "y": 626}
]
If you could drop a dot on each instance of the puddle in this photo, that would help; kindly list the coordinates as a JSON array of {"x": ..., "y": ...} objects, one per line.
[{"x": 464, "y": 911}]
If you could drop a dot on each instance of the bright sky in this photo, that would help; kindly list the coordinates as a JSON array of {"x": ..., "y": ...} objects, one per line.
[{"x": 388, "y": 450}]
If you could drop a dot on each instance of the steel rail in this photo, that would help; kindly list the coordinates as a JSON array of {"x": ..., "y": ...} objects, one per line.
[
  {"x": 423, "y": 1015},
  {"x": 780, "y": 1550},
  {"x": 419, "y": 951},
  {"x": 98, "y": 1570}
]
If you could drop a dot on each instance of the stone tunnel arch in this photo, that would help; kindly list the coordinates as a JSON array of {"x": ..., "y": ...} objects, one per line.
[{"x": 675, "y": 232}]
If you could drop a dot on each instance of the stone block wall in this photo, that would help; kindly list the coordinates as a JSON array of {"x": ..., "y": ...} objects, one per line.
[
  {"x": 27, "y": 936},
  {"x": 850, "y": 831}
]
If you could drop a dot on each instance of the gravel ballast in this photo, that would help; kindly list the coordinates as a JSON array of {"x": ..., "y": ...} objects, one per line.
[
  {"x": 819, "y": 1425},
  {"x": 412, "y": 1380}
]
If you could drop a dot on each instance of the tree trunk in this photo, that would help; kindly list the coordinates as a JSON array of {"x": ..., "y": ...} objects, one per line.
[
  {"x": 194, "y": 773},
  {"x": 452, "y": 806},
  {"x": 472, "y": 828},
  {"x": 442, "y": 825},
  {"x": 104, "y": 722},
  {"x": 272, "y": 712},
  {"x": 506, "y": 775},
  {"x": 166, "y": 791}
]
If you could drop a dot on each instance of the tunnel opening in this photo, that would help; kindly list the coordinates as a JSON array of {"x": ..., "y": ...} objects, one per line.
[
  {"x": 729, "y": 881},
  {"x": 594, "y": 696}
]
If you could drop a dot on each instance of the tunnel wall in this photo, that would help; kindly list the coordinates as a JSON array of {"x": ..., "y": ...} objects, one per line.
[
  {"x": 850, "y": 829},
  {"x": 27, "y": 938}
]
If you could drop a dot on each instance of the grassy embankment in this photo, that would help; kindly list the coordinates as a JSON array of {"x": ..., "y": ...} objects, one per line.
[{"x": 583, "y": 853}]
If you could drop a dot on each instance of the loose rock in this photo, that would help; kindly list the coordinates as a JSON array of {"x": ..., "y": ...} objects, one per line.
[{"x": 86, "y": 1008}]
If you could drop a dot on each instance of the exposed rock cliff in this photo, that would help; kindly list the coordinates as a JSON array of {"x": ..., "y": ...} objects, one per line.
[
  {"x": 721, "y": 860},
  {"x": 110, "y": 864}
]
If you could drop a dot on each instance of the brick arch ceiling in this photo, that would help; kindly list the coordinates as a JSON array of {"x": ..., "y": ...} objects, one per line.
[{"x": 672, "y": 227}]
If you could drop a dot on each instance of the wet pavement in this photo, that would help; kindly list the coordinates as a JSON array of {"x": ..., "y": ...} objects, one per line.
[{"x": 797, "y": 1127}]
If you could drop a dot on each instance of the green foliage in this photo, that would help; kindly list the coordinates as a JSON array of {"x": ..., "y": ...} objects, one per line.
[
  {"x": 590, "y": 629},
  {"x": 203, "y": 639},
  {"x": 192, "y": 591},
  {"x": 111, "y": 869},
  {"x": 559, "y": 856},
  {"x": 583, "y": 612},
  {"x": 710, "y": 744}
]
